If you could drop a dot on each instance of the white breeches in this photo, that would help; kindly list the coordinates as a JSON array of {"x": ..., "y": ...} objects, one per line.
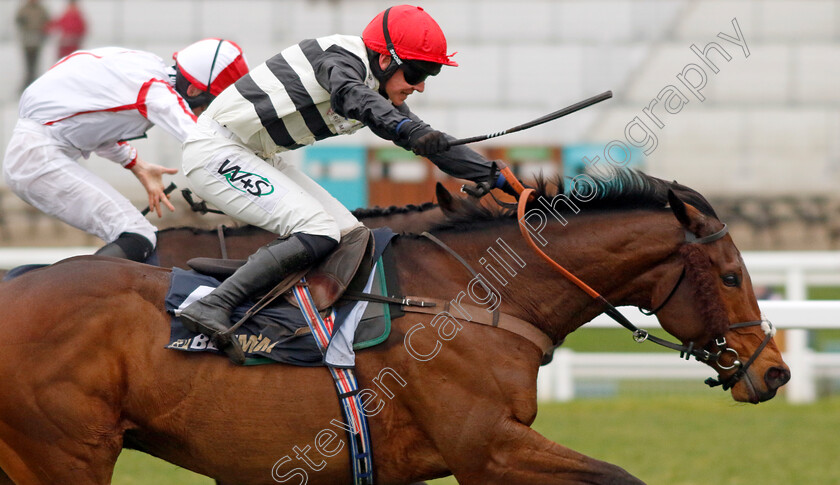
[
  {"x": 46, "y": 174},
  {"x": 276, "y": 197}
]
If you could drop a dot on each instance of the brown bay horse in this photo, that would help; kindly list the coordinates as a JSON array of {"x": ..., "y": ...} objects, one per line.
[{"x": 85, "y": 372}]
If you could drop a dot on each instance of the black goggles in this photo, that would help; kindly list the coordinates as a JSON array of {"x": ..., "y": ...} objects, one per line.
[{"x": 415, "y": 72}]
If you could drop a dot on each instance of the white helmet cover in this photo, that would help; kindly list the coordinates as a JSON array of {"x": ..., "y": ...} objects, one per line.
[{"x": 211, "y": 64}]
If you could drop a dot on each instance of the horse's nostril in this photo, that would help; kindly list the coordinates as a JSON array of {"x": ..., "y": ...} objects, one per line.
[{"x": 776, "y": 377}]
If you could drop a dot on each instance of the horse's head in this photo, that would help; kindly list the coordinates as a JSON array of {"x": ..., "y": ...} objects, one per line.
[
  {"x": 695, "y": 280},
  {"x": 706, "y": 300}
]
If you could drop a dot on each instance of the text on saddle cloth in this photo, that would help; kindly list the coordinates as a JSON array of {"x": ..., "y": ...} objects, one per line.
[{"x": 279, "y": 332}]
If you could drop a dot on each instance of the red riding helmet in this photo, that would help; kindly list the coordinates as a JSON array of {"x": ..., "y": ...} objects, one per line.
[{"x": 406, "y": 32}]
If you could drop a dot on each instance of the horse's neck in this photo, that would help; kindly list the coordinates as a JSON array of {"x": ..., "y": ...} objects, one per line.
[
  {"x": 618, "y": 254},
  {"x": 618, "y": 248},
  {"x": 621, "y": 255}
]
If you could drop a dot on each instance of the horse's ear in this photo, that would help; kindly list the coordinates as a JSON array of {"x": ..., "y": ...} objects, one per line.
[
  {"x": 679, "y": 209},
  {"x": 691, "y": 219},
  {"x": 443, "y": 196},
  {"x": 445, "y": 200}
]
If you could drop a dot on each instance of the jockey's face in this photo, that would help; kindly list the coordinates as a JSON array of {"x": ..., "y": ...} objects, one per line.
[
  {"x": 396, "y": 86},
  {"x": 194, "y": 91}
]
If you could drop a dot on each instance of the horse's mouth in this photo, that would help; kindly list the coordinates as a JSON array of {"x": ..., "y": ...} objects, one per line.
[{"x": 754, "y": 396}]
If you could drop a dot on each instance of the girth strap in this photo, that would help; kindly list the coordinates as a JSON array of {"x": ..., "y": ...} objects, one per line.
[
  {"x": 358, "y": 431},
  {"x": 480, "y": 315}
]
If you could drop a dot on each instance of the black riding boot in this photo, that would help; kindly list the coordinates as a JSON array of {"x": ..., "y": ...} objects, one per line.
[
  {"x": 128, "y": 246},
  {"x": 113, "y": 250},
  {"x": 265, "y": 268}
]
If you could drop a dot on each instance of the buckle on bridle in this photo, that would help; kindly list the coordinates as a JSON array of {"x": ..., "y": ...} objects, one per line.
[
  {"x": 736, "y": 362},
  {"x": 419, "y": 303},
  {"x": 640, "y": 335}
]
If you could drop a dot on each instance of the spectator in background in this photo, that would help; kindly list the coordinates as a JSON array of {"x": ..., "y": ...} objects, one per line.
[
  {"x": 31, "y": 20},
  {"x": 71, "y": 27}
]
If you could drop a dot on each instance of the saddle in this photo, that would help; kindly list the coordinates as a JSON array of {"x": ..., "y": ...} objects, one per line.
[{"x": 345, "y": 269}]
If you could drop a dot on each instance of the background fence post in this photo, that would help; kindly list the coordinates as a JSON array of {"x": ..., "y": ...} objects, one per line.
[{"x": 802, "y": 387}]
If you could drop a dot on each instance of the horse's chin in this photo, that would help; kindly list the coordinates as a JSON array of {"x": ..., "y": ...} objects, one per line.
[{"x": 745, "y": 391}]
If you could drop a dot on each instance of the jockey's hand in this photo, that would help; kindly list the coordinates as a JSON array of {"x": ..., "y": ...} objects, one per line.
[
  {"x": 508, "y": 189},
  {"x": 151, "y": 176},
  {"x": 428, "y": 142},
  {"x": 505, "y": 186}
]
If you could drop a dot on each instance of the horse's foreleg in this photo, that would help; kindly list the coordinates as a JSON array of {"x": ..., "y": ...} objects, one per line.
[
  {"x": 520, "y": 455},
  {"x": 41, "y": 464},
  {"x": 58, "y": 436}
]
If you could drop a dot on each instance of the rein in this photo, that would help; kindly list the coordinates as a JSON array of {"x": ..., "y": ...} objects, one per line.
[
  {"x": 524, "y": 329},
  {"x": 640, "y": 335}
]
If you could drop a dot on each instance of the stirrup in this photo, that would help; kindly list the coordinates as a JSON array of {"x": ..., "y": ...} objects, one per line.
[
  {"x": 222, "y": 339},
  {"x": 228, "y": 344}
]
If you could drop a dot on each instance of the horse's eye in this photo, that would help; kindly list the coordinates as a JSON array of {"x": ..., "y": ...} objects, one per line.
[{"x": 730, "y": 279}]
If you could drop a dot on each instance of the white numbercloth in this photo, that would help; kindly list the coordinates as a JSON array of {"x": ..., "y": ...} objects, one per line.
[
  {"x": 340, "y": 352},
  {"x": 45, "y": 173},
  {"x": 274, "y": 196}
]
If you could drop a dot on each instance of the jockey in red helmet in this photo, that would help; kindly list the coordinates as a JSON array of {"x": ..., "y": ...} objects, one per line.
[
  {"x": 316, "y": 89},
  {"x": 412, "y": 39}
]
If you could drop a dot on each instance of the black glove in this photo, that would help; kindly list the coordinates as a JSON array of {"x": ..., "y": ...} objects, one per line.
[{"x": 428, "y": 142}]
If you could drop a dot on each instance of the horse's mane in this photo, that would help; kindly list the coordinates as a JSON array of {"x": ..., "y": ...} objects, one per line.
[
  {"x": 228, "y": 230},
  {"x": 362, "y": 212},
  {"x": 626, "y": 190}
]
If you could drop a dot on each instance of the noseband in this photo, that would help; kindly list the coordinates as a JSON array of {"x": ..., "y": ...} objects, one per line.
[{"x": 640, "y": 335}]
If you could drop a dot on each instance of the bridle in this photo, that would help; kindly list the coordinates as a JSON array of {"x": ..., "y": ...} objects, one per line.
[
  {"x": 689, "y": 238},
  {"x": 640, "y": 335}
]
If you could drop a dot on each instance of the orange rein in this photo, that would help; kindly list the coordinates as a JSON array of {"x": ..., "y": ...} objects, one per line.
[{"x": 524, "y": 196}]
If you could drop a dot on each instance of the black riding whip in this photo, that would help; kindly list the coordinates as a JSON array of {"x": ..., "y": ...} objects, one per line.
[{"x": 545, "y": 119}]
